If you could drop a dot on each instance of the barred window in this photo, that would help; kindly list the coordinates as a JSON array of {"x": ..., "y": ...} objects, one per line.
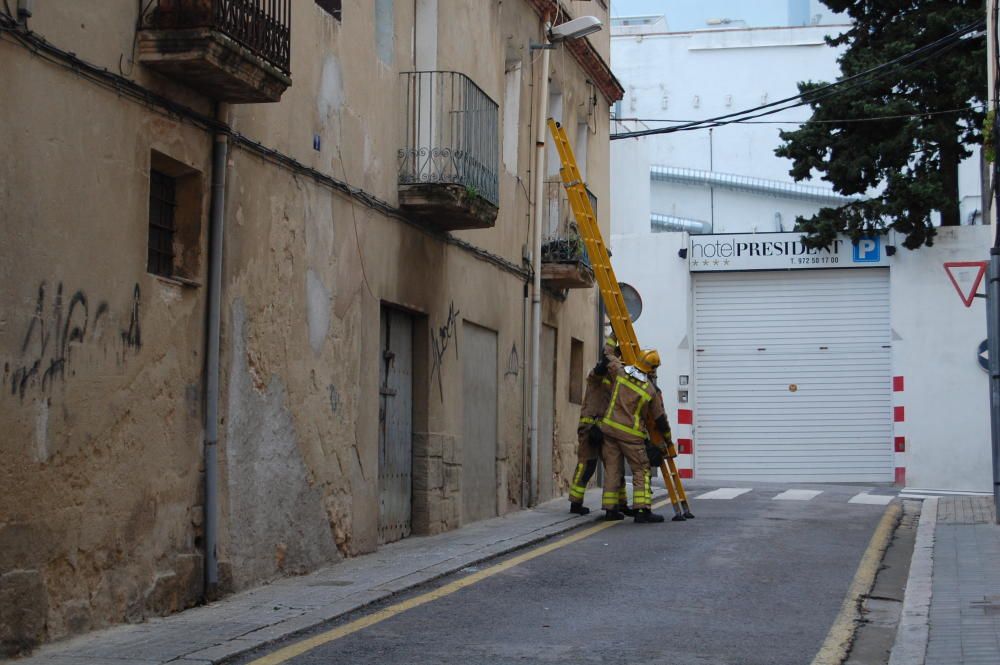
[{"x": 162, "y": 202}]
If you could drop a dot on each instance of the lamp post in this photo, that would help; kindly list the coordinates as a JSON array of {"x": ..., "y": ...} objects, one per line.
[{"x": 551, "y": 36}]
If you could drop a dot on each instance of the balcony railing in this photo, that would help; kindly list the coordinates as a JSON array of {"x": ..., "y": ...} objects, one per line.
[
  {"x": 565, "y": 262},
  {"x": 451, "y": 134},
  {"x": 261, "y": 26}
]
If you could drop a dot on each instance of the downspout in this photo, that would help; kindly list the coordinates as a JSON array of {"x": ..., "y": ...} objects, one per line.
[
  {"x": 536, "y": 266},
  {"x": 220, "y": 149}
]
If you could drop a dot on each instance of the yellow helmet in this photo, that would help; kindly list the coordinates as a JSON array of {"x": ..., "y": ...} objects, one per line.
[{"x": 648, "y": 360}]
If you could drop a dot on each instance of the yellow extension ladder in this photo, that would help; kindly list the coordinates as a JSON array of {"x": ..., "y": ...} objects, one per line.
[{"x": 611, "y": 293}]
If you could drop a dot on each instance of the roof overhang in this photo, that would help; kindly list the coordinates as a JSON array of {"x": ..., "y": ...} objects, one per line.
[{"x": 583, "y": 51}]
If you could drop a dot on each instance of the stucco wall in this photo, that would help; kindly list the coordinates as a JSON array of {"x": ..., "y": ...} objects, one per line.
[
  {"x": 649, "y": 262},
  {"x": 101, "y": 361},
  {"x": 935, "y": 346},
  {"x": 101, "y": 517}
]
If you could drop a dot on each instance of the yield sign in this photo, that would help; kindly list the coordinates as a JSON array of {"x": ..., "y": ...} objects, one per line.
[{"x": 966, "y": 276}]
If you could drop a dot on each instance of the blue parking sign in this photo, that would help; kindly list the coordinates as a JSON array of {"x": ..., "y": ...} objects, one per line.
[{"x": 868, "y": 250}]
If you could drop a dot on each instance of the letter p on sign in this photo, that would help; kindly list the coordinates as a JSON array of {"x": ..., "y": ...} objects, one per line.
[{"x": 868, "y": 250}]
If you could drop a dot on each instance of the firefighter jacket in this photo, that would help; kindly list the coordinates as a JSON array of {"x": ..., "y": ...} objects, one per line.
[
  {"x": 662, "y": 440},
  {"x": 633, "y": 402},
  {"x": 595, "y": 399}
]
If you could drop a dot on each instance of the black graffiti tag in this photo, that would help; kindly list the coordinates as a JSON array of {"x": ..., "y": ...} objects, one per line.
[
  {"x": 53, "y": 333},
  {"x": 513, "y": 362},
  {"x": 440, "y": 341}
]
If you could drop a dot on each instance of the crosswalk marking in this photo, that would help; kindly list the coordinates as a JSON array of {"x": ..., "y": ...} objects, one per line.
[
  {"x": 862, "y": 498},
  {"x": 725, "y": 493},
  {"x": 871, "y": 499},
  {"x": 797, "y": 495}
]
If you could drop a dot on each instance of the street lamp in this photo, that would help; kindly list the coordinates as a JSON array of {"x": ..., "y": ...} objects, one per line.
[
  {"x": 575, "y": 29},
  {"x": 552, "y": 36}
]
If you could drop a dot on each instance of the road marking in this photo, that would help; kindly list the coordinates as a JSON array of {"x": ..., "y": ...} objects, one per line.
[
  {"x": 725, "y": 493},
  {"x": 872, "y": 499},
  {"x": 797, "y": 495},
  {"x": 838, "y": 640},
  {"x": 299, "y": 648}
]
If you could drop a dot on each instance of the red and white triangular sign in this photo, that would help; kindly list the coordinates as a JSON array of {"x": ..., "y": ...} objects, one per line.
[{"x": 966, "y": 276}]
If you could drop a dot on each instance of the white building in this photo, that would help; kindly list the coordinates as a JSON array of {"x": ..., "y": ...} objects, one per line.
[{"x": 783, "y": 365}]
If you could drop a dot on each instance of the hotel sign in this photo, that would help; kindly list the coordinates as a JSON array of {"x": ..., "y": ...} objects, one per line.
[{"x": 780, "y": 251}]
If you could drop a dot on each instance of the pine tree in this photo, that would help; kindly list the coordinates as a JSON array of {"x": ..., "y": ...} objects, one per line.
[{"x": 910, "y": 162}]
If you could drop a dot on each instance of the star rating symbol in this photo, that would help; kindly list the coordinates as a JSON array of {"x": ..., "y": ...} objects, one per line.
[{"x": 716, "y": 262}]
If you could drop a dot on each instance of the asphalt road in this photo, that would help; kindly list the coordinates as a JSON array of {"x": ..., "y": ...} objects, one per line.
[{"x": 751, "y": 581}]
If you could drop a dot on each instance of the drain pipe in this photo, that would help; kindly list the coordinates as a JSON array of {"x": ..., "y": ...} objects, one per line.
[
  {"x": 220, "y": 149},
  {"x": 536, "y": 264}
]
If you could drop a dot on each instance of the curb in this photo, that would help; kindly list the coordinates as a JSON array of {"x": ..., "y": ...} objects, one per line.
[
  {"x": 910, "y": 647},
  {"x": 838, "y": 641}
]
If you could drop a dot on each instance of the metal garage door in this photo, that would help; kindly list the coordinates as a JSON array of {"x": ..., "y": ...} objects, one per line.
[
  {"x": 479, "y": 432},
  {"x": 792, "y": 376}
]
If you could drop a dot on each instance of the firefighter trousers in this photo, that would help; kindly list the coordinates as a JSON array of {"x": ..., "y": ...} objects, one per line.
[
  {"x": 586, "y": 463},
  {"x": 614, "y": 453}
]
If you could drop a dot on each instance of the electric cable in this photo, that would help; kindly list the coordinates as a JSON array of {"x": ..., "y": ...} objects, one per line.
[
  {"x": 975, "y": 107},
  {"x": 862, "y": 78},
  {"x": 354, "y": 215},
  {"x": 855, "y": 80},
  {"x": 711, "y": 123}
]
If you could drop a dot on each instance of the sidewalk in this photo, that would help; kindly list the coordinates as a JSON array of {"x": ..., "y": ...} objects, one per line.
[
  {"x": 951, "y": 613},
  {"x": 254, "y": 618}
]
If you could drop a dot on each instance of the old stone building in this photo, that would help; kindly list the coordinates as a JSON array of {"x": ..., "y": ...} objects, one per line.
[{"x": 266, "y": 270}]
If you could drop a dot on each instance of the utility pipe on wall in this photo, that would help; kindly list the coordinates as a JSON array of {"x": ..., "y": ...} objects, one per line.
[
  {"x": 220, "y": 151},
  {"x": 536, "y": 265}
]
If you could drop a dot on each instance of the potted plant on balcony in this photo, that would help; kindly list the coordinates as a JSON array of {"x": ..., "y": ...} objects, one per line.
[{"x": 565, "y": 263}]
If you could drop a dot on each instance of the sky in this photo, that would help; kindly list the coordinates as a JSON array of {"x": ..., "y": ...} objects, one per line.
[{"x": 683, "y": 15}]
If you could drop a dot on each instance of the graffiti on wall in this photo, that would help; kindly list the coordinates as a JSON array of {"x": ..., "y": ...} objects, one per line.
[
  {"x": 58, "y": 325},
  {"x": 513, "y": 362},
  {"x": 441, "y": 339}
]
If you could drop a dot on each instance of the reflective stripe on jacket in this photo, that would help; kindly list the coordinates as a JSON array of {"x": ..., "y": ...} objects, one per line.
[
  {"x": 595, "y": 399},
  {"x": 630, "y": 405}
]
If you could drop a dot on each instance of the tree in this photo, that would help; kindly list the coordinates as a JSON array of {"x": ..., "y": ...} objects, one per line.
[{"x": 910, "y": 162}]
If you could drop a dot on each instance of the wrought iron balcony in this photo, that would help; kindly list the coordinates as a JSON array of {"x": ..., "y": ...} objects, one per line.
[
  {"x": 236, "y": 51},
  {"x": 448, "y": 164},
  {"x": 565, "y": 263}
]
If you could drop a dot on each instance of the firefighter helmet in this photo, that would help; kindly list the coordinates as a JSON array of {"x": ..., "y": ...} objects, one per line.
[{"x": 648, "y": 360}]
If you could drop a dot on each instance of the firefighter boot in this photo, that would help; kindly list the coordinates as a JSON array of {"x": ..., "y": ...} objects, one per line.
[
  {"x": 625, "y": 510},
  {"x": 613, "y": 516},
  {"x": 645, "y": 515},
  {"x": 578, "y": 508}
]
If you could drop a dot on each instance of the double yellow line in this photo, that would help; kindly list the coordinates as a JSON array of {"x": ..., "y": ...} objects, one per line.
[{"x": 299, "y": 648}]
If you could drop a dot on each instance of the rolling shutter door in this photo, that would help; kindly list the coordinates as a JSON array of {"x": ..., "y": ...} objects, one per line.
[{"x": 792, "y": 376}]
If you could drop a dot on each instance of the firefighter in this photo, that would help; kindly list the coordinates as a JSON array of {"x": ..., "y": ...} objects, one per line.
[
  {"x": 589, "y": 438},
  {"x": 659, "y": 448},
  {"x": 633, "y": 399}
]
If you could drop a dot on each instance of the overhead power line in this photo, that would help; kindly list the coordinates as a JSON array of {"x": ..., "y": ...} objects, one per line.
[
  {"x": 876, "y": 118},
  {"x": 909, "y": 59}
]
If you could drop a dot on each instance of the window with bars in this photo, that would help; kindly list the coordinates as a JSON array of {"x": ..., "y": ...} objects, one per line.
[
  {"x": 332, "y": 7},
  {"x": 162, "y": 204}
]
